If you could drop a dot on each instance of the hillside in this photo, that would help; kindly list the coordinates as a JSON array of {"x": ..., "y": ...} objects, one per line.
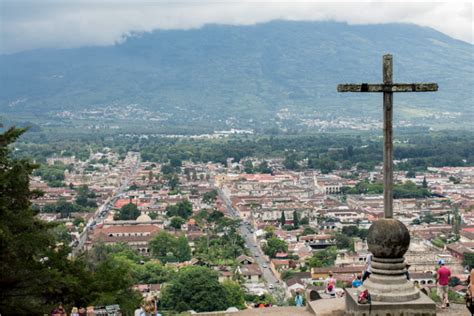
[{"x": 240, "y": 76}]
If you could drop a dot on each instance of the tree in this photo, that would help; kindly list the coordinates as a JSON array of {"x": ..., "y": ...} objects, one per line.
[
  {"x": 176, "y": 222},
  {"x": 173, "y": 182},
  {"x": 166, "y": 247},
  {"x": 209, "y": 197},
  {"x": 323, "y": 258},
  {"x": 167, "y": 169},
  {"x": 234, "y": 294},
  {"x": 163, "y": 245},
  {"x": 264, "y": 168},
  {"x": 411, "y": 174},
  {"x": 183, "y": 209},
  {"x": 424, "y": 184},
  {"x": 25, "y": 240},
  {"x": 468, "y": 259},
  {"x": 291, "y": 162},
  {"x": 350, "y": 231},
  {"x": 275, "y": 245},
  {"x": 270, "y": 231},
  {"x": 343, "y": 242},
  {"x": 248, "y": 166},
  {"x": 296, "y": 221},
  {"x": 36, "y": 273},
  {"x": 282, "y": 219},
  {"x": 128, "y": 212},
  {"x": 308, "y": 231},
  {"x": 182, "y": 251},
  {"x": 194, "y": 288}
]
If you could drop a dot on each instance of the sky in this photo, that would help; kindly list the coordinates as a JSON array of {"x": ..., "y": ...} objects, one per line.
[{"x": 31, "y": 24}]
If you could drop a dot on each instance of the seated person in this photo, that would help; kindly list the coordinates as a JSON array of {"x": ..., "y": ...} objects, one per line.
[
  {"x": 330, "y": 285},
  {"x": 357, "y": 281}
]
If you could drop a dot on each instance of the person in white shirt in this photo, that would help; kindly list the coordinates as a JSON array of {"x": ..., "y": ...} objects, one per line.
[{"x": 368, "y": 267}]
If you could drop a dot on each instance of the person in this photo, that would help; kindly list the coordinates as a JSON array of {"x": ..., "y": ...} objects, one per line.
[
  {"x": 368, "y": 267},
  {"x": 75, "y": 311},
  {"x": 407, "y": 274},
  {"x": 469, "y": 293},
  {"x": 298, "y": 300},
  {"x": 59, "y": 311},
  {"x": 442, "y": 279},
  {"x": 82, "y": 311},
  {"x": 357, "y": 281},
  {"x": 330, "y": 285}
]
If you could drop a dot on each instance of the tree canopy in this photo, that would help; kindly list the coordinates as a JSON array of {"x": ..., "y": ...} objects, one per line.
[{"x": 198, "y": 289}]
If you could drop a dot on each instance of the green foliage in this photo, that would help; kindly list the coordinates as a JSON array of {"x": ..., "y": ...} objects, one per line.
[
  {"x": 291, "y": 162},
  {"x": 64, "y": 208},
  {"x": 176, "y": 222},
  {"x": 326, "y": 165},
  {"x": 263, "y": 167},
  {"x": 166, "y": 247},
  {"x": 354, "y": 231},
  {"x": 127, "y": 212},
  {"x": 308, "y": 231},
  {"x": 400, "y": 191},
  {"x": 195, "y": 288},
  {"x": 223, "y": 243},
  {"x": 62, "y": 234},
  {"x": 468, "y": 259},
  {"x": 234, "y": 294},
  {"x": 52, "y": 174},
  {"x": 274, "y": 245},
  {"x": 411, "y": 174},
  {"x": 323, "y": 258},
  {"x": 248, "y": 166},
  {"x": 282, "y": 219},
  {"x": 264, "y": 299},
  {"x": 183, "y": 209},
  {"x": 209, "y": 197},
  {"x": 36, "y": 272},
  {"x": 343, "y": 241},
  {"x": 296, "y": 220}
]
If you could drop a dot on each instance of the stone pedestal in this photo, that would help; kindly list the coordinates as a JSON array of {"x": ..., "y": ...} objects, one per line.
[
  {"x": 390, "y": 291},
  {"x": 422, "y": 306},
  {"x": 388, "y": 282}
]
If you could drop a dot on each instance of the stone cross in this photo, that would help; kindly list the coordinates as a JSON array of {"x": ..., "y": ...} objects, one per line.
[{"x": 388, "y": 88}]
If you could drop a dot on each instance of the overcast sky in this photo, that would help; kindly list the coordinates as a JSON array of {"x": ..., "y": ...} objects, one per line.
[{"x": 28, "y": 24}]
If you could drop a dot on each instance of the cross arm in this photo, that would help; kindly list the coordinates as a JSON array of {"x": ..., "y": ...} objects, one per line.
[{"x": 396, "y": 87}]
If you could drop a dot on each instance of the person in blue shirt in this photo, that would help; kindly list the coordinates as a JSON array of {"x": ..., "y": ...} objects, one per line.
[
  {"x": 299, "y": 300},
  {"x": 357, "y": 281}
]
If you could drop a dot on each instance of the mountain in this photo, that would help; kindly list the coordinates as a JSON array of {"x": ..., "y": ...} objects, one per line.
[{"x": 240, "y": 76}]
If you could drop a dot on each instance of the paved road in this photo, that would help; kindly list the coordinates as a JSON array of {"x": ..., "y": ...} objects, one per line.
[
  {"x": 273, "y": 284},
  {"x": 104, "y": 207}
]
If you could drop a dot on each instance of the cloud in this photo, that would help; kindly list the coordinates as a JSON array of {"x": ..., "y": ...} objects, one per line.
[{"x": 29, "y": 24}]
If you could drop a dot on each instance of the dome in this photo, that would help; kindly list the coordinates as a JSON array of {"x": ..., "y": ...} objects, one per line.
[{"x": 143, "y": 218}]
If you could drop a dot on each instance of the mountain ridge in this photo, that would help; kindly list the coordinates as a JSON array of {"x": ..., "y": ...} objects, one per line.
[{"x": 245, "y": 74}]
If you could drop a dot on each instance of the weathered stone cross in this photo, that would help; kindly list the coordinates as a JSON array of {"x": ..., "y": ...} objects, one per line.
[{"x": 388, "y": 88}]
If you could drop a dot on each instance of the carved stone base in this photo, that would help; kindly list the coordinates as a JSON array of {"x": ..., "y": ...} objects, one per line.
[
  {"x": 388, "y": 282},
  {"x": 422, "y": 306}
]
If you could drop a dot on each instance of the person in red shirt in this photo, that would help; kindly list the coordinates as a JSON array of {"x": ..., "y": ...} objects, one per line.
[{"x": 442, "y": 278}]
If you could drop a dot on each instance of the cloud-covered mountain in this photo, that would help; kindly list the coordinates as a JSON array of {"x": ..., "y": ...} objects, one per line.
[{"x": 244, "y": 73}]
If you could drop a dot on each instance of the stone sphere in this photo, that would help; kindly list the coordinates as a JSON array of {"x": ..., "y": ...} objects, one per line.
[{"x": 388, "y": 238}]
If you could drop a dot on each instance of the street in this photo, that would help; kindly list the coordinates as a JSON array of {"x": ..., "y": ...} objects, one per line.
[
  {"x": 103, "y": 210},
  {"x": 272, "y": 282}
]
